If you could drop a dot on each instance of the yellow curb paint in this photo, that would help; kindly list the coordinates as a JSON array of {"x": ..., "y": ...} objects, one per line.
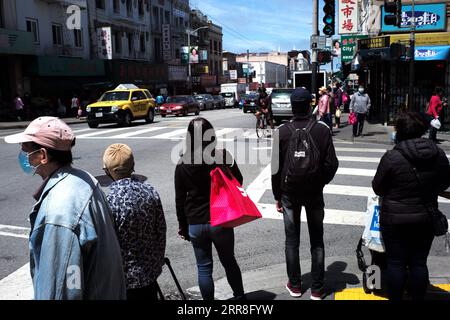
[
  {"x": 359, "y": 294},
  {"x": 356, "y": 294}
]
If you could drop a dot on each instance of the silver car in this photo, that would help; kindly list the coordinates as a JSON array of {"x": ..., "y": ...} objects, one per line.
[{"x": 281, "y": 104}]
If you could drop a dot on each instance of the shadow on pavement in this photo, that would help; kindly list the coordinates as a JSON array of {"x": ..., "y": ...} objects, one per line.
[{"x": 260, "y": 295}]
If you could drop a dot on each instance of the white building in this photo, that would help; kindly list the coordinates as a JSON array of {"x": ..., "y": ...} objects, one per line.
[{"x": 270, "y": 74}]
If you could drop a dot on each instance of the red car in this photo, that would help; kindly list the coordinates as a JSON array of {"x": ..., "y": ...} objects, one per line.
[{"x": 180, "y": 105}]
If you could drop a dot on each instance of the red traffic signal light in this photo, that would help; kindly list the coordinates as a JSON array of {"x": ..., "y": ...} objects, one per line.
[{"x": 329, "y": 17}]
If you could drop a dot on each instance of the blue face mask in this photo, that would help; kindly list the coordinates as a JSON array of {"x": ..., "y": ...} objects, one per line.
[
  {"x": 24, "y": 162},
  {"x": 394, "y": 137}
]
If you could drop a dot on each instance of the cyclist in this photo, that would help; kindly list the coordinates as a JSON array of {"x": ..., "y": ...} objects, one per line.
[{"x": 264, "y": 107}]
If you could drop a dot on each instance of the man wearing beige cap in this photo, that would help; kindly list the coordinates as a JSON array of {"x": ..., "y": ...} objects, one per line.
[
  {"x": 74, "y": 252},
  {"x": 140, "y": 223}
]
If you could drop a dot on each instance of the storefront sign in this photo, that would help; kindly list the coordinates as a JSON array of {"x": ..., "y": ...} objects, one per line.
[
  {"x": 233, "y": 74},
  {"x": 185, "y": 55},
  {"x": 425, "y": 39},
  {"x": 68, "y": 67},
  {"x": 348, "y": 16},
  {"x": 374, "y": 43},
  {"x": 166, "y": 40},
  {"x": 432, "y": 53},
  {"x": 130, "y": 71},
  {"x": 427, "y": 17},
  {"x": 349, "y": 47},
  {"x": 104, "y": 43},
  {"x": 177, "y": 73},
  {"x": 16, "y": 42}
]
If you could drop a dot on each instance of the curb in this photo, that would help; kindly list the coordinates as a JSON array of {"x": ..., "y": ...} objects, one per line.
[{"x": 24, "y": 125}]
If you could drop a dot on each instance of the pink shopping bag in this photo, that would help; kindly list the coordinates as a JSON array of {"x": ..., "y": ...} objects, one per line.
[
  {"x": 230, "y": 204},
  {"x": 352, "y": 119}
]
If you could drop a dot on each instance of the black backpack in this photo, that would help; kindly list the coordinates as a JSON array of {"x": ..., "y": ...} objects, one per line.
[{"x": 302, "y": 161}]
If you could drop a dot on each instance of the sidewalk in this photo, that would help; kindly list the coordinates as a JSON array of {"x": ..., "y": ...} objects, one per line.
[
  {"x": 23, "y": 124},
  {"x": 343, "y": 281}
]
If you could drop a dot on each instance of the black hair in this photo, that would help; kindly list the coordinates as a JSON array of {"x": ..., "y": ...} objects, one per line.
[
  {"x": 63, "y": 158},
  {"x": 199, "y": 126},
  {"x": 438, "y": 90},
  {"x": 410, "y": 125},
  {"x": 301, "y": 108}
]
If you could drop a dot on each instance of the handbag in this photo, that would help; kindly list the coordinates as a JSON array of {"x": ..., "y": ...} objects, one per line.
[
  {"x": 230, "y": 204},
  {"x": 435, "y": 123},
  {"x": 352, "y": 119},
  {"x": 338, "y": 113},
  {"x": 438, "y": 219}
]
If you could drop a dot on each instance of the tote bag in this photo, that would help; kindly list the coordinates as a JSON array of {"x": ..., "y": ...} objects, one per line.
[
  {"x": 372, "y": 236},
  {"x": 230, "y": 204}
]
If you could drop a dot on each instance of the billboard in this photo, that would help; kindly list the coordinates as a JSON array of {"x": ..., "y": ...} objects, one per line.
[
  {"x": 427, "y": 17},
  {"x": 194, "y": 55}
]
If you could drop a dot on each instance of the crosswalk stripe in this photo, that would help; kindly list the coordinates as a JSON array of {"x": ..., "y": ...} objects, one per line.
[
  {"x": 13, "y": 235},
  {"x": 356, "y": 172},
  {"x": 172, "y": 135},
  {"x": 368, "y": 150},
  {"x": 359, "y": 159},
  {"x": 100, "y": 132},
  {"x": 82, "y": 130},
  {"x": 224, "y": 132},
  {"x": 136, "y": 133}
]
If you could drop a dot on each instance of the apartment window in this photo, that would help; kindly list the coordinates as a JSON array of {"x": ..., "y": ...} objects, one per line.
[
  {"x": 215, "y": 47},
  {"x": 157, "y": 50},
  {"x": 129, "y": 8},
  {"x": 141, "y": 8},
  {"x": 57, "y": 34},
  {"x": 142, "y": 43},
  {"x": 130, "y": 43},
  {"x": 220, "y": 47},
  {"x": 100, "y": 4},
  {"x": 116, "y": 6},
  {"x": 155, "y": 16},
  {"x": 210, "y": 45},
  {"x": 1, "y": 14},
  {"x": 167, "y": 17},
  {"x": 118, "y": 42},
  {"x": 33, "y": 27},
  {"x": 78, "y": 38},
  {"x": 177, "y": 54}
]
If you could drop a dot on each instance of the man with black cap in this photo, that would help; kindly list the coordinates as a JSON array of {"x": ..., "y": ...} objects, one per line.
[{"x": 303, "y": 162}]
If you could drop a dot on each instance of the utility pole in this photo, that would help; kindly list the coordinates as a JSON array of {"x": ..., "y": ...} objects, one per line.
[
  {"x": 314, "y": 50},
  {"x": 412, "y": 44}
]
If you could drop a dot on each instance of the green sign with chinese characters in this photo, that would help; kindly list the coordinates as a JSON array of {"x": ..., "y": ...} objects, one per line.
[
  {"x": 348, "y": 44},
  {"x": 66, "y": 67}
]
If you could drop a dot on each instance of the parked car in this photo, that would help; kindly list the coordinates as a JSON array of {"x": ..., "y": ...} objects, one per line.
[
  {"x": 250, "y": 102},
  {"x": 281, "y": 104},
  {"x": 180, "y": 105},
  {"x": 123, "y": 105},
  {"x": 219, "y": 102},
  {"x": 206, "y": 101}
]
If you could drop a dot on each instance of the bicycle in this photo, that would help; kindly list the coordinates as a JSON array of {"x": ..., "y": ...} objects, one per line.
[{"x": 262, "y": 130}]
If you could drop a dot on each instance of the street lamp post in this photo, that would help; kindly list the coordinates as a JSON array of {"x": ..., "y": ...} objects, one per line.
[
  {"x": 189, "y": 32},
  {"x": 412, "y": 43}
]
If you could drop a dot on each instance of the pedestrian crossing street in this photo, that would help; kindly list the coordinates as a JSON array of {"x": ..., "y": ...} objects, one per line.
[{"x": 346, "y": 196}]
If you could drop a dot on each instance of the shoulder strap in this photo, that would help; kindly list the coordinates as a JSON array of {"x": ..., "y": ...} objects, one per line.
[{"x": 310, "y": 125}]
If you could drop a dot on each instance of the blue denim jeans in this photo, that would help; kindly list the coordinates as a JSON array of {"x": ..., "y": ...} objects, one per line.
[
  {"x": 202, "y": 238},
  {"x": 315, "y": 214}
]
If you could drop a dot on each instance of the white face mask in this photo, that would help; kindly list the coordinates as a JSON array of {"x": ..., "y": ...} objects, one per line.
[{"x": 361, "y": 90}]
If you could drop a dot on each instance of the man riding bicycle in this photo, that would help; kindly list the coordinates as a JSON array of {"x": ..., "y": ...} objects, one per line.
[{"x": 264, "y": 107}]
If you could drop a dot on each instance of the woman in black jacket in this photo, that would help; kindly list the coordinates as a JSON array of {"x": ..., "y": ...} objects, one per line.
[
  {"x": 193, "y": 190},
  {"x": 404, "y": 220}
]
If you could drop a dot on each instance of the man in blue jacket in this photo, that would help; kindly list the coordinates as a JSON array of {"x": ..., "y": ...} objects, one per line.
[{"x": 74, "y": 251}]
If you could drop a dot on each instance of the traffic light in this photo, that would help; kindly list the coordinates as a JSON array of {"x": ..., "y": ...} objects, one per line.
[
  {"x": 393, "y": 13},
  {"x": 324, "y": 57},
  {"x": 329, "y": 18}
]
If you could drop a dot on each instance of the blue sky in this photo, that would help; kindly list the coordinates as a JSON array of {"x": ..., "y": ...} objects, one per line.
[{"x": 261, "y": 25}]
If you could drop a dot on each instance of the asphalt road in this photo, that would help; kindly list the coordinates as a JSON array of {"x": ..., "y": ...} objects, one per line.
[{"x": 258, "y": 244}]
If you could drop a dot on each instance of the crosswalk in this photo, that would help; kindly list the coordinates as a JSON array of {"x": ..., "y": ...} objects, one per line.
[{"x": 346, "y": 196}]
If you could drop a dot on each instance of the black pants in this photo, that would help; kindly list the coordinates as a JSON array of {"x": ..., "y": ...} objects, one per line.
[
  {"x": 149, "y": 293},
  {"x": 315, "y": 214},
  {"x": 359, "y": 125},
  {"x": 407, "y": 248}
]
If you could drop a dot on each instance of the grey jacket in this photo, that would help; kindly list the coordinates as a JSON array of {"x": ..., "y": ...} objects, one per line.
[{"x": 360, "y": 103}]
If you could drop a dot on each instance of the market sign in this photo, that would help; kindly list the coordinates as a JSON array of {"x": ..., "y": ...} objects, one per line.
[
  {"x": 67, "y": 67},
  {"x": 427, "y": 17},
  {"x": 348, "y": 16},
  {"x": 167, "y": 44},
  {"x": 425, "y": 39},
  {"x": 104, "y": 43},
  {"x": 431, "y": 53},
  {"x": 349, "y": 46}
]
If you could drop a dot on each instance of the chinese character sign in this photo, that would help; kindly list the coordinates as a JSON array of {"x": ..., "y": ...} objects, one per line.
[
  {"x": 348, "y": 16},
  {"x": 167, "y": 47},
  {"x": 104, "y": 43},
  {"x": 348, "y": 47}
]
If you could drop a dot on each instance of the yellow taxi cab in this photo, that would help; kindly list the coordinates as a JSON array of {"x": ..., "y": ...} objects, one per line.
[{"x": 122, "y": 105}]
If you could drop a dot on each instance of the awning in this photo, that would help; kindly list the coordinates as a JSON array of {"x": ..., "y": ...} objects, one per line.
[{"x": 430, "y": 53}]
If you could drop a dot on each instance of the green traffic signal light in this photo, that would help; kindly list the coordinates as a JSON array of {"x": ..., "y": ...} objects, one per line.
[{"x": 329, "y": 18}]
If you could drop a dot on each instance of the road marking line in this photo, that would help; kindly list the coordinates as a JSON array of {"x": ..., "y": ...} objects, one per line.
[
  {"x": 18, "y": 285},
  {"x": 136, "y": 133},
  {"x": 356, "y": 172},
  {"x": 13, "y": 235},
  {"x": 100, "y": 132},
  {"x": 82, "y": 130},
  {"x": 2, "y": 226},
  {"x": 359, "y": 159},
  {"x": 177, "y": 134},
  {"x": 360, "y": 150},
  {"x": 13, "y": 231},
  {"x": 258, "y": 187},
  {"x": 224, "y": 132}
]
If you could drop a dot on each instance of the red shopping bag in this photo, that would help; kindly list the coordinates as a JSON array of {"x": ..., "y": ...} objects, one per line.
[
  {"x": 352, "y": 119},
  {"x": 230, "y": 204}
]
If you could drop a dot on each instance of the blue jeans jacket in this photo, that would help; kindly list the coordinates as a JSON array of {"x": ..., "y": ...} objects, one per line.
[{"x": 74, "y": 252}]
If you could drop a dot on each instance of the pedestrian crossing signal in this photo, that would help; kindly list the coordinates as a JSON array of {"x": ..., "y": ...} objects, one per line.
[
  {"x": 324, "y": 57},
  {"x": 329, "y": 18}
]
